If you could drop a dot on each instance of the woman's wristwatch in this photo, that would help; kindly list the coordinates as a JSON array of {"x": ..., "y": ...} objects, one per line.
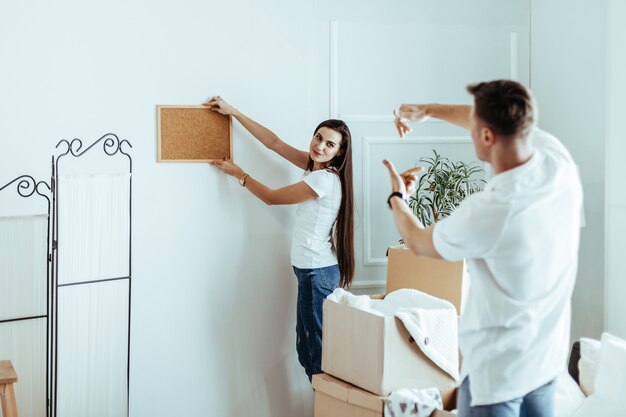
[
  {"x": 242, "y": 180},
  {"x": 396, "y": 194}
]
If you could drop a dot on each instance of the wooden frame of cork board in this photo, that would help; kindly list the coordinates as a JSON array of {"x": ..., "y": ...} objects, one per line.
[{"x": 193, "y": 134}]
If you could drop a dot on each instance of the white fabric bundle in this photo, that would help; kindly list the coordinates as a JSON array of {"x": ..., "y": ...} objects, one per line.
[
  {"x": 568, "y": 396},
  {"x": 431, "y": 321},
  {"x": 610, "y": 381},
  {"x": 413, "y": 402},
  {"x": 588, "y": 364},
  {"x": 362, "y": 302}
]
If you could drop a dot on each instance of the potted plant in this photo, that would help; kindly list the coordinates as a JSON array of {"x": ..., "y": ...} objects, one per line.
[{"x": 443, "y": 186}]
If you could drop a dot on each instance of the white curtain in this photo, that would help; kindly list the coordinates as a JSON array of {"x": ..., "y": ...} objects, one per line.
[
  {"x": 93, "y": 244},
  {"x": 94, "y": 224},
  {"x": 93, "y": 335},
  {"x": 23, "y": 255},
  {"x": 23, "y": 268}
]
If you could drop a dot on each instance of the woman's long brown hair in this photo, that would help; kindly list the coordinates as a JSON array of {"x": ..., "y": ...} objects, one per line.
[{"x": 343, "y": 229}]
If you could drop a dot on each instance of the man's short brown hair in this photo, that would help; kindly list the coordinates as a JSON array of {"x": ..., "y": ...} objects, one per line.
[{"x": 506, "y": 106}]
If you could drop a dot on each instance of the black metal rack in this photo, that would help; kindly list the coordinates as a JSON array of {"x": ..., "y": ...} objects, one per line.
[
  {"x": 27, "y": 186},
  {"x": 111, "y": 146}
]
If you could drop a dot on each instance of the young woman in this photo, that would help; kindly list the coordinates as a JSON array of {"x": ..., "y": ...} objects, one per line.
[{"x": 322, "y": 250}]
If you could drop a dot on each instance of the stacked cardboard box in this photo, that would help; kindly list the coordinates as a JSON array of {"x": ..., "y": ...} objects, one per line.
[
  {"x": 337, "y": 398},
  {"x": 365, "y": 357},
  {"x": 439, "y": 278}
]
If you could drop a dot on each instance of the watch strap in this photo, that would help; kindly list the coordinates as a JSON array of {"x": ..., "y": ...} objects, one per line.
[{"x": 395, "y": 194}]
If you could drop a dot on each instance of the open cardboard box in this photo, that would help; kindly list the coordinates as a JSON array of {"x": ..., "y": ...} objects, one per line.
[
  {"x": 337, "y": 398},
  {"x": 375, "y": 353},
  {"x": 439, "y": 278}
]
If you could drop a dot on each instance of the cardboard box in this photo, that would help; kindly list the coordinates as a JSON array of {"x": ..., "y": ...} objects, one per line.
[
  {"x": 375, "y": 353},
  {"x": 337, "y": 398},
  {"x": 439, "y": 278}
]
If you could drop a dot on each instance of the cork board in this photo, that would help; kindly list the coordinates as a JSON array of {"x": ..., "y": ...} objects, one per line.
[{"x": 193, "y": 134}]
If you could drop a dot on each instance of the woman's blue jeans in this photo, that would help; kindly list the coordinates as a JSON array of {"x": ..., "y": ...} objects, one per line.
[
  {"x": 314, "y": 285},
  {"x": 537, "y": 403}
]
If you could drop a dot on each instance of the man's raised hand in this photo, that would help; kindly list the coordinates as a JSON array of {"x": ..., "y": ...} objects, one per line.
[
  {"x": 406, "y": 113},
  {"x": 403, "y": 182}
]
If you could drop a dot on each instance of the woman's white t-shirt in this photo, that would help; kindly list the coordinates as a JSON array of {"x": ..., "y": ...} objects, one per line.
[{"x": 312, "y": 246}]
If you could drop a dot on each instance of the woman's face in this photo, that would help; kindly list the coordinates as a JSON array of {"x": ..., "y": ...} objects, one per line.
[{"x": 325, "y": 145}]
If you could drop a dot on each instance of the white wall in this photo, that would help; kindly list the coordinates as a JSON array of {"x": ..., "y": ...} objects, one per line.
[
  {"x": 568, "y": 79},
  {"x": 213, "y": 293},
  {"x": 615, "y": 174},
  {"x": 416, "y": 51}
]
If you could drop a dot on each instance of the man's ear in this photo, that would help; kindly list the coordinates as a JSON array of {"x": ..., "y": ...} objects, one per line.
[{"x": 488, "y": 136}]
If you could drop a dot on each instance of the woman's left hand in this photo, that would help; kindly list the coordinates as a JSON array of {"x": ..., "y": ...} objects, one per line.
[{"x": 229, "y": 168}]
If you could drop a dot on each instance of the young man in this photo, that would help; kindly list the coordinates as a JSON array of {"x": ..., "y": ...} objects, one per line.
[{"x": 520, "y": 239}]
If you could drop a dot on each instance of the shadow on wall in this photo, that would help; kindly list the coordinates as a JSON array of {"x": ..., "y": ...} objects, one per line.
[
  {"x": 261, "y": 370},
  {"x": 258, "y": 365}
]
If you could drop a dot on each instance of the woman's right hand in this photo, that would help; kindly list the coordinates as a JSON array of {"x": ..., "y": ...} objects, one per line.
[
  {"x": 216, "y": 103},
  {"x": 229, "y": 167}
]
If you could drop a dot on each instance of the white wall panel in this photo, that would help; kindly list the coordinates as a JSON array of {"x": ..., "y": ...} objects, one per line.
[
  {"x": 616, "y": 271},
  {"x": 615, "y": 227},
  {"x": 213, "y": 291},
  {"x": 378, "y": 228},
  {"x": 426, "y": 55},
  {"x": 435, "y": 63},
  {"x": 568, "y": 67}
]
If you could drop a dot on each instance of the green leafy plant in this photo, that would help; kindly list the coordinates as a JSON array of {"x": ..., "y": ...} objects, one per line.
[{"x": 443, "y": 186}]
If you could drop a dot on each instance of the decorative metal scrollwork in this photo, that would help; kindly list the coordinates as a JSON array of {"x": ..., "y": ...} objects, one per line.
[
  {"x": 27, "y": 186},
  {"x": 111, "y": 144}
]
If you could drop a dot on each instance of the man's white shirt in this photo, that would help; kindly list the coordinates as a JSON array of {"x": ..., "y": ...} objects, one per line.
[{"x": 520, "y": 239}]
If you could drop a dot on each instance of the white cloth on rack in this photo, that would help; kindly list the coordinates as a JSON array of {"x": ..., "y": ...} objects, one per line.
[
  {"x": 413, "y": 402},
  {"x": 23, "y": 285},
  {"x": 92, "y": 349},
  {"x": 23, "y": 266},
  {"x": 94, "y": 227},
  {"x": 93, "y": 244},
  {"x": 431, "y": 321}
]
